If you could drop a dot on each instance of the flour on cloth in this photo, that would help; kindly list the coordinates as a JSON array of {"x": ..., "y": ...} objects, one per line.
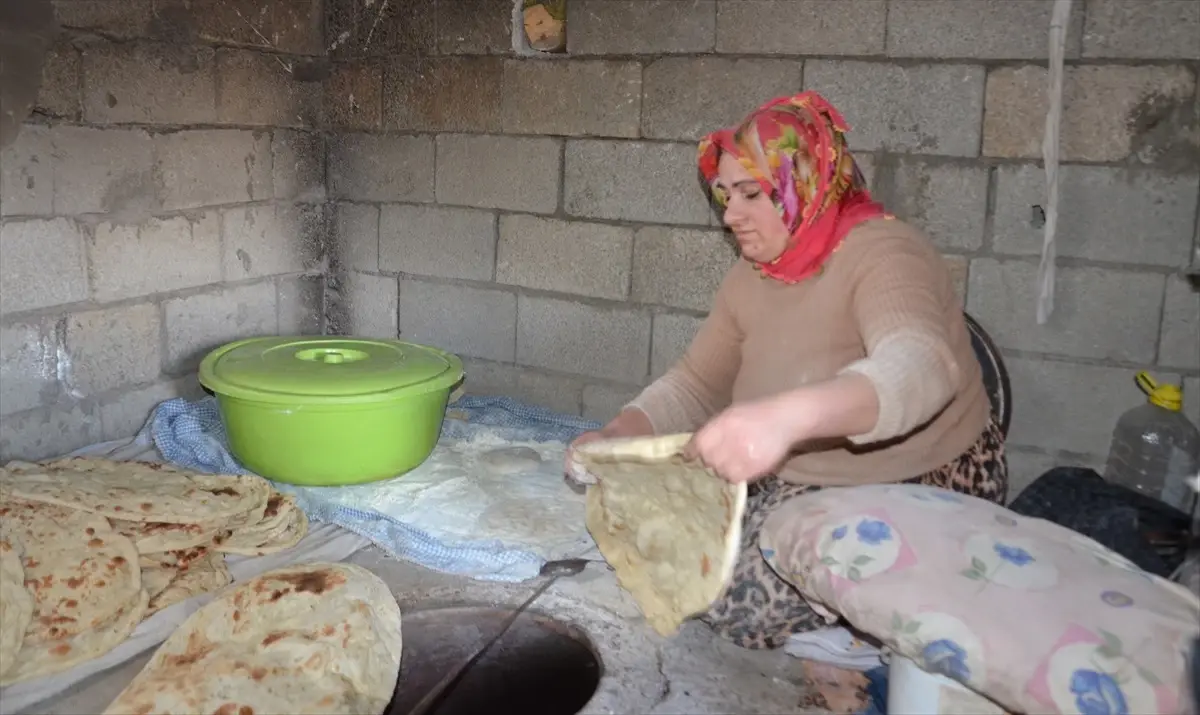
[
  {"x": 671, "y": 529},
  {"x": 483, "y": 488}
]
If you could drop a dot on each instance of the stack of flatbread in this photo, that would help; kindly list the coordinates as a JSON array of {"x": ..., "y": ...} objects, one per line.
[
  {"x": 90, "y": 547},
  {"x": 671, "y": 529},
  {"x": 316, "y": 638}
]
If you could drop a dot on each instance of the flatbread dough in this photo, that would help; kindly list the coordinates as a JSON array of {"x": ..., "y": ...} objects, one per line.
[
  {"x": 16, "y": 605},
  {"x": 318, "y": 638},
  {"x": 168, "y": 584},
  {"x": 670, "y": 529},
  {"x": 511, "y": 460},
  {"x": 85, "y": 583}
]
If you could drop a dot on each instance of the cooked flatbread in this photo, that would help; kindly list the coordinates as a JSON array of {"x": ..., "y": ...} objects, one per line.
[
  {"x": 671, "y": 529},
  {"x": 282, "y": 526},
  {"x": 170, "y": 584},
  {"x": 152, "y": 537},
  {"x": 317, "y": 638},
  {"x": 16, "y": 605},
  {"x": 137, "y": 491},
  {"x": 85, "y": 582}
]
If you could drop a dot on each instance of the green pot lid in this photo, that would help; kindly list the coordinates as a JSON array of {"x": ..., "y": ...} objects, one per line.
[{"x": 337, "y": 369}]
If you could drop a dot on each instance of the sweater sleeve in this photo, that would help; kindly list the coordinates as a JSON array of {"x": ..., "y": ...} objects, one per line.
[
  {"x": 898, "y": 305},
  {"x": 700, "y": 384}
]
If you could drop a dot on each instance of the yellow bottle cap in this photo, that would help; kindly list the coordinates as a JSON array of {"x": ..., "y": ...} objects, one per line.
[{"x": 1168, "y": 397}]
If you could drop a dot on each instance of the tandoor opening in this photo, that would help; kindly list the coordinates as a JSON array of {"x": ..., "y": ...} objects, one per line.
[{"x": 540, "y": 667}]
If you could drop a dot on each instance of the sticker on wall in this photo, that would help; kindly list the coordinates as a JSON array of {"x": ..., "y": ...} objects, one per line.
[{"x": 545, "y": 25}]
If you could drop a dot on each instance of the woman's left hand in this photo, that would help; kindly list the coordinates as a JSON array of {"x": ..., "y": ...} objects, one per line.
[{"x": 747, "y": 441}]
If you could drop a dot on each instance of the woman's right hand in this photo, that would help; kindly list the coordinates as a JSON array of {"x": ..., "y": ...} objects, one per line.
[{"x": 630, "y": 423}]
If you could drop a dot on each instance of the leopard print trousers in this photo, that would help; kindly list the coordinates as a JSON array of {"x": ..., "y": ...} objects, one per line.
[{"x": 760, "y": 610}]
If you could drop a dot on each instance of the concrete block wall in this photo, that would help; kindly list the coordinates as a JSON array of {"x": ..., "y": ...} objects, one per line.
[
  {"x": 166, "y": 195},
  {"x": 542, "y": 218}
]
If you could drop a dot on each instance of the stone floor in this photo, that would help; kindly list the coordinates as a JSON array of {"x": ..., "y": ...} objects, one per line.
[{"x": 692, "y": 673}]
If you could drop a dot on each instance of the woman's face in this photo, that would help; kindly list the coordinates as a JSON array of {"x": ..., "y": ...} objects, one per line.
[{"x": 749, "y": 213}]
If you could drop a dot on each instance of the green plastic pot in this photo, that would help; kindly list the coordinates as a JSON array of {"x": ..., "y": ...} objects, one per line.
[{"x": 330, "y": 411}]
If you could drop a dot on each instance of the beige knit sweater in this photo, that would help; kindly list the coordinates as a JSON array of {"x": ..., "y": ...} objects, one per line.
[{"x": 884, "y": 307}]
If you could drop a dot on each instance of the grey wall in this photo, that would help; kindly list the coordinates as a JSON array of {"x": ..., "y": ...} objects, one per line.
[
  {"x": 541, "y": 216},
  {"x": 165, "y": 196}
]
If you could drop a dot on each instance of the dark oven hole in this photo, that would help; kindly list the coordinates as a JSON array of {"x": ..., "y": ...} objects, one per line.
[{"x": 540, "y": 667}]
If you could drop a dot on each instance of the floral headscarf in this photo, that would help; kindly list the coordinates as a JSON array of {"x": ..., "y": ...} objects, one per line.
[{"x": 813, "y": 180}]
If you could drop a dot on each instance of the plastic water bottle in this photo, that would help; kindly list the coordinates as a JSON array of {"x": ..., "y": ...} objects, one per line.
[{"x": 1155, "y": 448}]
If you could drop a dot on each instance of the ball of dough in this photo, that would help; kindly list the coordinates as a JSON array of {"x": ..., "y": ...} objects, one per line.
[{"x": 511, "y": 460}]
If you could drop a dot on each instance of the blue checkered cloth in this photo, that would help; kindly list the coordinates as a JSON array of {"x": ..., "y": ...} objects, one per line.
[{"x": 191, "y": 435}]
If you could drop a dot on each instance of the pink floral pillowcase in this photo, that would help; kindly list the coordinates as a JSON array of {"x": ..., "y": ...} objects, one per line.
[{"x": 1036, "y": 617}]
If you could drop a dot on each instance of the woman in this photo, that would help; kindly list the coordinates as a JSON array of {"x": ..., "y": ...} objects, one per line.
[{"x": 835, "y": 352}]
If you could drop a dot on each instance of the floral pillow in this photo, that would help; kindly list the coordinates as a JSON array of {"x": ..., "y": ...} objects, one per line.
[{"x": 1035, "y": 616}]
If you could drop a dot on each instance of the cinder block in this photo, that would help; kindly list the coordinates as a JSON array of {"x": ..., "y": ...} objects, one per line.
[
  {"x": 926, "y": 109},
  {"x": 601, "y": 403},
  {"x": 59, "y": 94},
  {"x": 148, "y": 84},
  {"x": 103, "y": 171},
  {"x": 298, "y": 166},
  {"x": 292, "y": 26},
  {"x": 482, "y": 171},
  {"x": 565, "y": 256},
  {"x": 555, "y": 334},
  {"x": 675, "y": 106},
  {"x": 678, "y": 267},
  {"x": 946, "y": 200},
  {"x": 372, "y": 305},
  {"x": 1110, "y": 113},
  {"x": 27, "y": 174},
  {"x": 49, "y": 431},
  {"x": 207, "y": 167},
  {"x": 300, "y": 302},
  {"x": 455, "y": 94},
  {"x": 378, "y": 29},
  {"x": 113, "y": 347},
  {"x": 1069, "y": 406},
  {"x": 801, "y": 27},
  {"x": 438, "y": 241},
  {"x": 199, "y": 323},
  {"x": 184, "y": 252},
  {"x": 673, "y": 333},
  {"x": 124, "y": 20},
  {"x": 634, "y": 181},
  {"x": 1191, "y": 399},
  {"x": 474, "y": 322},
  {"x": 1098, "y": 313},
  {"x": 572, "y": 98},
  {"x": 641, "y": 27},
  {"x": 357, "y": 236},
  {"x": 43, "y": 264},
  {"x": 1146, "y": 29},
  {"x": 978, "y": 29},
  {"x": 354, "y": 96},
  {"x": 959, "y": 267},
  {"x": 28, "y": 366},
  {"x": 474, "y": 27},
  {"x": 1105, "y": 214},
  {"x": 271, "y": 239},
  {"x": 1180, "y": 344},
  {"x": 257, "y": 88},
  {"x": 125, "y": 414},
  {"x": 554, "y": 392},
  {"x": 366, "y": 167}
]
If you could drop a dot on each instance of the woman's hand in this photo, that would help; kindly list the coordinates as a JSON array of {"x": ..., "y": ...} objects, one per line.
[
  {"x": 630, "y": 423},
  {"x": 750, "y": 440},
  {"x": 747, "y": 441}
]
